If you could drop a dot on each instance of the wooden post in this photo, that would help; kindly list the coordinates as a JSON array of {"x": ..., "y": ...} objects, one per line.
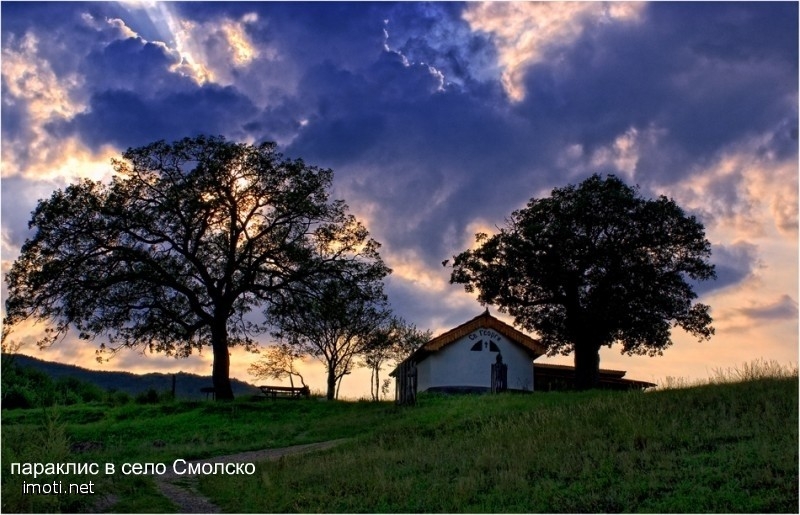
[
  {"x": 406, "y": 383},
  {"x": 411, "y": 396}
]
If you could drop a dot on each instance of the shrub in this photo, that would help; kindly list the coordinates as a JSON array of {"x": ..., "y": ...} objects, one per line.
[
  {"x": 73, "y": 391},
  {"x": 118, "y": 398},
  {"x": 25, "y": 387},
  {"x": 152, "y": 396}
]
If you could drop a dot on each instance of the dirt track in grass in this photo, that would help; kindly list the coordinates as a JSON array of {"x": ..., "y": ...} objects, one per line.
[{"x": 182, "y": 489}]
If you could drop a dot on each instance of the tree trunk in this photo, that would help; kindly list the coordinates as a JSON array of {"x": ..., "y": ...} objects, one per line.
[
  {"x": 331, "y": 394},
  {"x": 338, "y": 386},
  {"x": 377, "y": 384},
  {"x": 587, "y": 366},
  {"x": 222, "y": 363}
]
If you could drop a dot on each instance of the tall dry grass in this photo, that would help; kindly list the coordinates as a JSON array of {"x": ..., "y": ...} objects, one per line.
[{"x": 747, "y": 371}]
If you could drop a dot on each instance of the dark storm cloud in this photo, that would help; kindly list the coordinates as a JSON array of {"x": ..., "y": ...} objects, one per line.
[
  {"x": 14, "y": 119},
  {"x": 137, "y": 99},
  {"x": 135, "y": 65},
  {"x": 417, "y": 142},
  {"x": 732, "y": 264},
  {"x": 19, "y": 198},
  {"x": 438, "y": 153},
  {"x": 404, "y": 100},
  {"x": 419, "y": 304},
  {"x": 436, "y": 34},
  {"x": 411, "y": 140},
  {"x": 126, "y": 119},
  {"x": 64, "y": 31},
  {"x": 305, "y": 34},
  {"x": 709, "y": 76}
]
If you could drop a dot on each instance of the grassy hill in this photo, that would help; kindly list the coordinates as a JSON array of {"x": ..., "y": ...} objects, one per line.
[
  {"x": 713, "y": 448},
  {"x": 717, "y": 448}
]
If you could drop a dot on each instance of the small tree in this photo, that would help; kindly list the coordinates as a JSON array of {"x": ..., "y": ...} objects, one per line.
[
  {"x": 390, "y": 343},
  {"x": 334, "y": 319},
  {"x": 592, "y": 265},
  {"x": 187, "y": 239},
  {"x": 277, "y": 362}
]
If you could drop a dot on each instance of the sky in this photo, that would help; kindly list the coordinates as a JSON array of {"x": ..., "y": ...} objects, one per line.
[{"x": 438, "y": 120}]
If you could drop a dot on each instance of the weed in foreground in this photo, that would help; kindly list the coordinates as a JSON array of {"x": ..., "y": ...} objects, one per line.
[{"x": 47, "y": 443}]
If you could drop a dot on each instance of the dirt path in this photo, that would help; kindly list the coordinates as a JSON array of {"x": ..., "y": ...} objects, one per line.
[{"x": 182, "y": 490}]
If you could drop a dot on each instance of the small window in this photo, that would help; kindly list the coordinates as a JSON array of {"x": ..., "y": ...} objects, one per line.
[
  {"x": 493, "y": 347},
  {"x": 478, "y": 346}
]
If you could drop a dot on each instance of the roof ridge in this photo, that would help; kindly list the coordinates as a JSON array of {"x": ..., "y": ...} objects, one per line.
[{"x": 491, "y": 322}]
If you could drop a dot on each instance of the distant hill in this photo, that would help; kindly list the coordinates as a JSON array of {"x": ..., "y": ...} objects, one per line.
[{"x": 187, "y": 386}]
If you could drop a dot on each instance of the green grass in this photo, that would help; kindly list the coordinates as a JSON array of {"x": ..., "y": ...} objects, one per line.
[
  {"x": 43, "y": 443},
  {"x": 714, "y": 448},
  {"x": 162, "y": 433}
]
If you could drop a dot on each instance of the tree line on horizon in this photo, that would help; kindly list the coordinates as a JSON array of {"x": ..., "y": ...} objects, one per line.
[
  {"x": 28, "y": 382},
  {"x": 189, "y": 238}
]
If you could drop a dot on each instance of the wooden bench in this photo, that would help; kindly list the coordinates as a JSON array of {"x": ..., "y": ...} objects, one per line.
[
  {"x": 290, "y": 392},
  {"x": 209, "y": 390}
]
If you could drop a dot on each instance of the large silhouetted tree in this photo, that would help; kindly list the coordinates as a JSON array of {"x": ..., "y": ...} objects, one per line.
[
  {"x": 592, "y": 265},
  {"x": 333, "y": 320},
  {"x": 186, "y": 240}
]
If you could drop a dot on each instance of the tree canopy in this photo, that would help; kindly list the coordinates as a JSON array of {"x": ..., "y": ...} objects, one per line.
[
  {"x": 277, "y": 362},
  {"x": 392, "y": 342},
  {"x": 187, "y": 239},
  {"x": 334, "y": 319},
  {"x": 592, "y": 265}
]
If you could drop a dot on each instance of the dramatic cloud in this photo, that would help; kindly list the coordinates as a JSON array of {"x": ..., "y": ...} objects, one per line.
[
  {"x": 439, "y": 119},
  {"x": 783, "y": 308},
  {"x": 528, "y": 33},
  {"x": 732, "y": 264}
]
